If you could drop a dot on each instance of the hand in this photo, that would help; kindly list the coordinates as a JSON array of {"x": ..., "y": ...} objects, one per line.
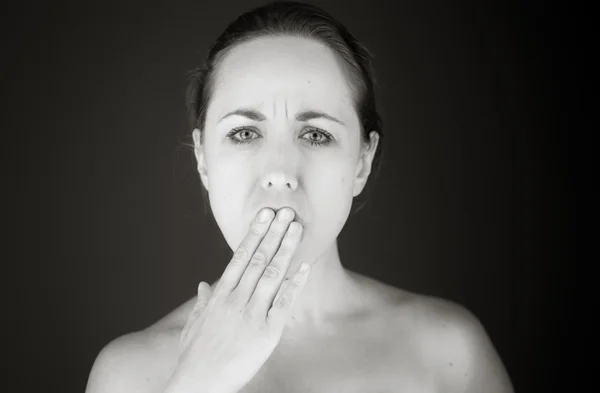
[{"x": 232, "y": 332}]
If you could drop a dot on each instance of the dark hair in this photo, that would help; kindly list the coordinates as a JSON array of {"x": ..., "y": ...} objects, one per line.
[{"x": 290, "y": 18}]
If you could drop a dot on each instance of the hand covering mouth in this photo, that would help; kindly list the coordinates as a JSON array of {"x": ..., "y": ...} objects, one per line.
[{"x": 297, "y": 216}]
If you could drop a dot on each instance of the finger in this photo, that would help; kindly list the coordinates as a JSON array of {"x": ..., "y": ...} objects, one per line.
[
  {"x": 204, "y": 294},
  {"x": 271, "y": 281},
  {"x": 282, "y": 288},
  {"x": 263, "y": 255},
  {"x": 281, "y": 310},
  {"x": 236, "y": 267}
]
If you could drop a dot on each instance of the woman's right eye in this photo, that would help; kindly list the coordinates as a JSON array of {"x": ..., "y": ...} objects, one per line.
[{"x": 243, "y": 133}]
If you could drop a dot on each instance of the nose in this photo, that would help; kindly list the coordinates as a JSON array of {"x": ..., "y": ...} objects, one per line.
[
  {"x": 279, "y": 181},
  {"x": 280, "y": 166}
]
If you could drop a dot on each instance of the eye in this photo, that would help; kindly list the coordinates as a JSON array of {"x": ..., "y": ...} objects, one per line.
[
  {"x": 324, "y": 141},
  {"x": 240, "y": 135},
  {"x": 244, "y": 131}
]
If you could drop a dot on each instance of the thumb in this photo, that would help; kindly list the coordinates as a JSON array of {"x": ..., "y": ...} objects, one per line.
[{"x": 204, "y": 295}]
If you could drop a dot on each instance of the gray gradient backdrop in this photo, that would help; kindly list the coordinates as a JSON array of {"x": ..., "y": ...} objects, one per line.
[{"x": 106, "y": 227}]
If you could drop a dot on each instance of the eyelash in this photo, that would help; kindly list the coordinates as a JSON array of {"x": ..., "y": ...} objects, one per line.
[{"x": 240, "y": 142}]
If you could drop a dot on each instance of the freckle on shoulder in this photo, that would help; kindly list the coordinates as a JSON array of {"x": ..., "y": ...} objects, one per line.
[{"x": 446, "y": 331}]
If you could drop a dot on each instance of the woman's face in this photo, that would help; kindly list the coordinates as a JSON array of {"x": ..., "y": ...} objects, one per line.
[{"x": 277, "y": 85}]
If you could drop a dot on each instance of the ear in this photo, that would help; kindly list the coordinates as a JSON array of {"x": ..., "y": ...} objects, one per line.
[
  {"x": 200, "y": 157},
  {"x": 365, "y": 160}
]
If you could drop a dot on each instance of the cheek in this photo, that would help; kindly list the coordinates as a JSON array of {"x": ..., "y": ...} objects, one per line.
[
  {"x": 228, "y": 196},
  {"x": 330, "y": 196},
  {"x": 332, "y": 183},
  {"x": 329, "y": 203}
]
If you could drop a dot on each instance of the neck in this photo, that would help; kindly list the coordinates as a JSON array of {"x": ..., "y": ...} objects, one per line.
[{"x": 327, "y": 293}]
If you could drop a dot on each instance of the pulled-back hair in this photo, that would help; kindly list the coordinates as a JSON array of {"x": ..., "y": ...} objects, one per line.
[{"x": 290, "y": 18}]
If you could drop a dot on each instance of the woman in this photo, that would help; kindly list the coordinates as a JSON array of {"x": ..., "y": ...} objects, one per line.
[{"x": 285, "y": 123}]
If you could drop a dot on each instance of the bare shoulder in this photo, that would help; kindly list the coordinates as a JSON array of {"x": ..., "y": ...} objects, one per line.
[
  {"x": 140, "y": 361},
  {"x": 449, "y": 339},
  {"x": 134, "y": 362},
  {"x": 453, "y": 344}
]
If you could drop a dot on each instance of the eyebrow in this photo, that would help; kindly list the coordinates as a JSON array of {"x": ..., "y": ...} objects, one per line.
[{"x": 301, "y": 116}]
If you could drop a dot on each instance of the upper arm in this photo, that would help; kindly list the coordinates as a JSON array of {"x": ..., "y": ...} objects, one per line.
[
  {"x": 118, "y": 367},
  {"x": 465, "y": 355}
]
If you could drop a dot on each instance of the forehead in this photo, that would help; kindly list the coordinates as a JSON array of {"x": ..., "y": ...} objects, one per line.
[{"x": 269, "y": 70}]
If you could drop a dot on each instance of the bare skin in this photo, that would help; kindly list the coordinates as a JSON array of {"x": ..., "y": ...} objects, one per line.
[
  {"x": 391, "y": 340},
  {"x": 347, "y": 332}
]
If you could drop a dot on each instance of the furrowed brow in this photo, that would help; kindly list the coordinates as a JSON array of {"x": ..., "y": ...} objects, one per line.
[{"x": 302, "y": 116}]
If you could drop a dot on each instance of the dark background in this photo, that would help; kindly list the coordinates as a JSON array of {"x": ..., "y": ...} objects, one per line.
[{"x": 106, "y": 230}]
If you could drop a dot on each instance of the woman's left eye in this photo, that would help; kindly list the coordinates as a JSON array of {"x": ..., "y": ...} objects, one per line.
[{"x": 325, "y": 139}]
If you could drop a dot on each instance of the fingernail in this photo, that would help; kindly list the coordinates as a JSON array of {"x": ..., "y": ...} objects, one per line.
[
  {"x": 285, "y": 213},
  {"x": 294, "y": 228},
  {"x": 264, "y": 216}
]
